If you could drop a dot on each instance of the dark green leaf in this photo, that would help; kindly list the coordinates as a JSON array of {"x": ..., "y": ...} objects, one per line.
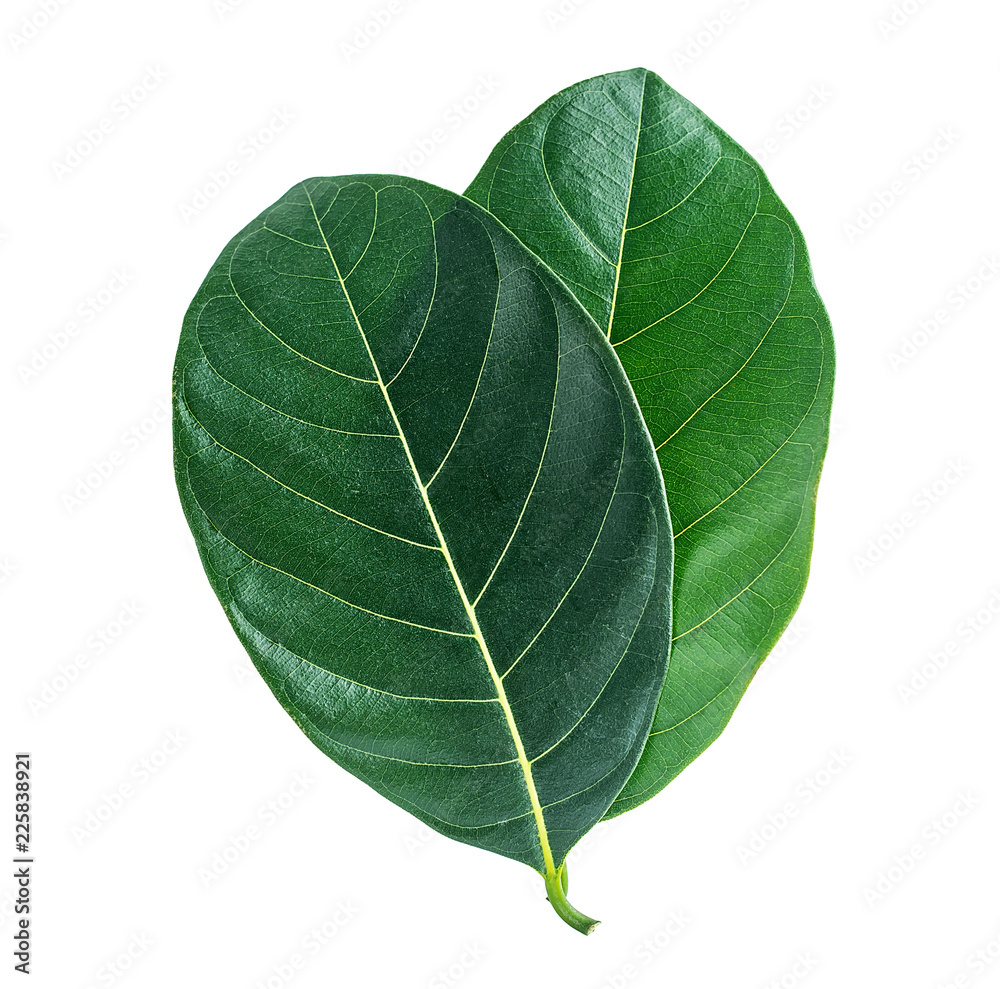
[
  {"x": 670, "y": 235},
  {"x": 427, "y": 501}
]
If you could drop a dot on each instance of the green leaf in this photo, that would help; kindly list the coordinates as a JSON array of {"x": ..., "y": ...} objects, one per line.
[
  {"x": 670, "y": 235},
  {"x": 424, "y": 494}
]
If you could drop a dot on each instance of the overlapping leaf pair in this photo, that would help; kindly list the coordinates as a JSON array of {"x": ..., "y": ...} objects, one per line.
[{"x": 426, "y": 445}]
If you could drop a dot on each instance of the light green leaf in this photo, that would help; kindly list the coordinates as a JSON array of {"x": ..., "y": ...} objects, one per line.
[
  {"x": 423, "y": 493},
  {"x": 670, "y": 235}
]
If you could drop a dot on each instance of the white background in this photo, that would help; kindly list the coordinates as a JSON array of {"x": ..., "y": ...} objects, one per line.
[{"x": 158, "y": 752}]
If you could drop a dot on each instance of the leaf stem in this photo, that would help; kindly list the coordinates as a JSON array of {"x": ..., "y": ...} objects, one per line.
[{"x": 556, "y": 884}]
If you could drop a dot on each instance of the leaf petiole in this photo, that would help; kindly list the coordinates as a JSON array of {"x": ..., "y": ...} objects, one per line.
[{"x": 556, "y": 884}]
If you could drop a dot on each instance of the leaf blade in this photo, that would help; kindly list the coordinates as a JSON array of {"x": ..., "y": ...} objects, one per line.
[
  {"x": 385, "y": 411},
  {"x": 711, "y": 307}
]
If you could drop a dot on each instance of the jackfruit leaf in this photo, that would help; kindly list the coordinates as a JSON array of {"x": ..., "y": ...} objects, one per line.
[
  {"x": 423, "y": 493},
  {"x": 670, "y": 235}
]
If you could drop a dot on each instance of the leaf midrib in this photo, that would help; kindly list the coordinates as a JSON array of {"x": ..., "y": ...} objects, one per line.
[
  {"x": 470, "y": 610},
  {"x": 628, "y": 207}
]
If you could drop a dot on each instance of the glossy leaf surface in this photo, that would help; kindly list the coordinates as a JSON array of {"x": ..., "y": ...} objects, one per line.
[
  {"x": 670, "y": 235},
  {"x": 424, "y": 494}
]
